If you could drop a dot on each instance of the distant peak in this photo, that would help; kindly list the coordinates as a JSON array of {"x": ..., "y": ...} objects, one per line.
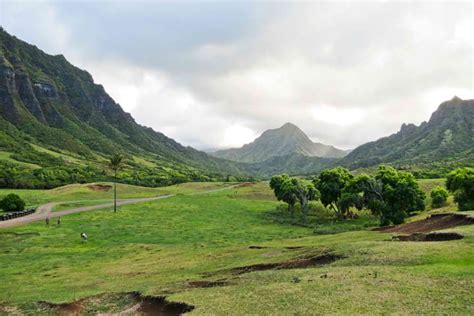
[
  {"x": 456, "y": 98},
  {"x": 289, "y": 125}
]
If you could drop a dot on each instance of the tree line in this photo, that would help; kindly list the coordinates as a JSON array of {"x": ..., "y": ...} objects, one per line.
[{"x": 390, "y": 194}]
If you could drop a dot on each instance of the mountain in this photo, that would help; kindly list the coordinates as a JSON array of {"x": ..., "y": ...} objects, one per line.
[
  {"x": 52, "y": 114},
  {"x": 444, "y": 142},
  {"x": 283, "y": 141}
]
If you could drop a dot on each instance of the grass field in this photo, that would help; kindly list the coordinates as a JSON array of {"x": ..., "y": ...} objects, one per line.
[{"x": 161, "y": 247}]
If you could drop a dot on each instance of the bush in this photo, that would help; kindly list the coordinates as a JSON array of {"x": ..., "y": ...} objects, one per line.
[
  {"x": 461, "y": 183},
  {"x": 12, "y": 203},
  {"x": 439, "y": 196}
]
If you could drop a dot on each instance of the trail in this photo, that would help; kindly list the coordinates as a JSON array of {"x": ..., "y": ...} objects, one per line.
[{"x": 46, "y": 210}]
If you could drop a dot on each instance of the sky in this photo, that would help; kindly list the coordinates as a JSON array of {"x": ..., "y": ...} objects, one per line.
[{"x": 216, "y": 75}]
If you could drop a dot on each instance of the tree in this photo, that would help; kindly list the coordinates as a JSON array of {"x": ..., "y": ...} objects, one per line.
[
  {"x": 304, "y": 191},
  {"x": 12, "y": 203},
  {"x": 439, "y": 196},
  {"x": 392, "y": 195},
  {"x": 115, "y": 164},
  {"x": 283, "y": 189},
  {"x": 331, "y": 183},
  {"x": 461, "y": 183}
]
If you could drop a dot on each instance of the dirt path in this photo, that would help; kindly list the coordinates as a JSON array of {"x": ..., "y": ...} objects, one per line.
[{"x": 46, "y": 210}]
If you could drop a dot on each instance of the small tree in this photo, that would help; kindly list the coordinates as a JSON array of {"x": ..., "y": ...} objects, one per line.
[
  {"x": 12, "y": 203},
  {"x": 115, "y": 164},
  {"x": 331, "y": 184},
  {"x": 461, "y": 183},
  {"x": 392, "y": 195},
  {"x": 439, "y": 196},
  {"x": 304, "y": 191},
  {"x": 283, "y": 189}
]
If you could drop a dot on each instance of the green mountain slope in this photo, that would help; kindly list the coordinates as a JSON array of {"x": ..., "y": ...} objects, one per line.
[
  {"x": 284, "y": 141},
  {"x": 47, "y": 102},
  {"x": 444, "y": 142}
]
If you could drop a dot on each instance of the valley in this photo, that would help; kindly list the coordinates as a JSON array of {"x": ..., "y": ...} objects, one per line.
[{"x": 101, "y": 214}]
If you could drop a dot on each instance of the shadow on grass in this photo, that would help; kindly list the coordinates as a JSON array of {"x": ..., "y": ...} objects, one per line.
[{"x": 321, "y": 220}]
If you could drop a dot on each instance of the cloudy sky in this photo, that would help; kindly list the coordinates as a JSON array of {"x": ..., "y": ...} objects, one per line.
[{"x": 216, "y": 75}]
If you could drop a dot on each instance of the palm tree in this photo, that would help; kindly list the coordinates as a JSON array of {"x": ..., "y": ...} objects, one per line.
[{"x": 115, "y": 163}]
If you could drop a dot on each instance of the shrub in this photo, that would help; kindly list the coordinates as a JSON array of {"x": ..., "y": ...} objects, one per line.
[
  {"x": 12, "y": 203},
  {"x": 461, "y": 183},
  {"x": 439, "y": 196}
]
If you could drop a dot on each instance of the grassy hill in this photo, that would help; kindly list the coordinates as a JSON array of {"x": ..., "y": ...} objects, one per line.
[{"x": 201, "y": 249}]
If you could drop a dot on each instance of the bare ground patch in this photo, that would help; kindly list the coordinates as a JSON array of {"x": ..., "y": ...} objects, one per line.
[
  {"x": 434, "y": 236},
  {"x": 99, "y": 187},
  {"x": 104, "y": 305},
  {"x": 207, "y": 284},
  {"x": 432, "y": 223},
  {"x": 298, "y": 263}
]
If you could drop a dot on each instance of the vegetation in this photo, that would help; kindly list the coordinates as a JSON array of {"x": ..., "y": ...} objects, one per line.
[
  {"x": 290, "y": 190},
  {"x": 390, "y": 194},
  {"x": 430, "y": 150},
  {"x": 155, "y": 248},
  {"x": 439, "y": 196},
  {"x": 12, "y": 203},
  {"x": 331, "y": 184},
  {"x": 461, "y": 183}
]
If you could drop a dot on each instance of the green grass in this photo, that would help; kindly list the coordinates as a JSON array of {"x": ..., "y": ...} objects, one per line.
[
  {"x": 5, "y": 155},
  {"x": 82, "y": 194},
  {"x": 157, "y": 247}
]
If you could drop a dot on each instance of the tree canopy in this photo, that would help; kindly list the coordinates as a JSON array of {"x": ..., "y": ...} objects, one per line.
[{"x": 461, "y": 183}]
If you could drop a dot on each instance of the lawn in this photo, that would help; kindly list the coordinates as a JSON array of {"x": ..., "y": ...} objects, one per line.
[{"x": 158, "y": 247}]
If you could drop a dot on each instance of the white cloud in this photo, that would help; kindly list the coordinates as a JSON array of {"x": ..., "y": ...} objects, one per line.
[{"x": 218, "y": 75}]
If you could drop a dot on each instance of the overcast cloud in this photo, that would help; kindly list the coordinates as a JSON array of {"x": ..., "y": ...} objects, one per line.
[{"x": 216, "y": 75}]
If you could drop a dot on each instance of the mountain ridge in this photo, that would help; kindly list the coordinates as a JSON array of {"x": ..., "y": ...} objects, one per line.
[
  {"x": 285, "y": 140},
  {"x": 447, "y": 137}
]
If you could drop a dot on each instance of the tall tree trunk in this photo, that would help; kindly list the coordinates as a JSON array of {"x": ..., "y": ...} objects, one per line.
[{"x": 115, "y": 191}]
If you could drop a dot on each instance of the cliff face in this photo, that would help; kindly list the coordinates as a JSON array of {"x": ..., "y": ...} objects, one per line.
[{"x": 59, "y": 105}]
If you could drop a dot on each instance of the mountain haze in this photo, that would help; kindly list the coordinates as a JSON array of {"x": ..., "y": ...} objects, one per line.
[{"x": 283, "y": 141}]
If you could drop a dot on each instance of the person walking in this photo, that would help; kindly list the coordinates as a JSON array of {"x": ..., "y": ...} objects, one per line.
[
  {"x": 47, "y": 221},
  {"x": 59, "y": 220}
]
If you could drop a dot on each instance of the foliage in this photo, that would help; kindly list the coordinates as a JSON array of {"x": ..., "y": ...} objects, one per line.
[
  {"x": 331, "y": 184},
  {"x": 282, "y": 187},
  {"x": 12, "y": 203},
  {"x": 392, "y": 195},
  {"x": 291, "y": 190},
  {"x": 439, "y": 196},
  {"x": 461, "y": 183}
]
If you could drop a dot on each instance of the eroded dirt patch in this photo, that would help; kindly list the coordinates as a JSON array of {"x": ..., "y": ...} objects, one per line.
[
  {"x": 99, "y": 187},
  {"x": 432, "y": 223},
  {"x": 159, "y": 306},
  {"x": 109, "y": 304},
  {"x": 435, "y": 236},
  {"x": 258, "y": 247},
  {"x": 74, "y": 308},
  {"x": 290, "y": 264}
]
